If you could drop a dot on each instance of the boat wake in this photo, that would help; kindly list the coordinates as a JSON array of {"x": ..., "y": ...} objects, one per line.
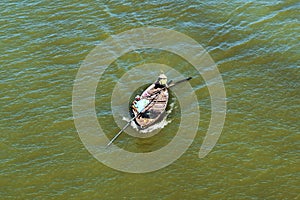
[{"x": 165, "y": 121}]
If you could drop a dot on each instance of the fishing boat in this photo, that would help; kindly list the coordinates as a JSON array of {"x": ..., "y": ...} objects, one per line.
[{"x": 150, "y": 107}]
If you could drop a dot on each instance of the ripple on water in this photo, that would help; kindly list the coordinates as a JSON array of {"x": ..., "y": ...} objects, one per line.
[{"x": 254, "y": 43}]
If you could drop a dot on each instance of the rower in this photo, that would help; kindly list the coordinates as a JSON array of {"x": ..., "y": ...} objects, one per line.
[{"x": 161, "y": 81}]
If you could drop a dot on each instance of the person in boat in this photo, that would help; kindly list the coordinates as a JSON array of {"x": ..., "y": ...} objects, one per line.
[
  {"x": 160, "y": 84},
  {"x": 161, "y": 81},
  {"x": 139, "y": 105}
]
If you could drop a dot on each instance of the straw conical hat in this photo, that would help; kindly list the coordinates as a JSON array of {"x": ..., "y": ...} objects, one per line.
[{"x": 162, "y": 76}]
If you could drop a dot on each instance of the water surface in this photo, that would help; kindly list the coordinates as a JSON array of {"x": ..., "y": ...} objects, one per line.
[{"x": 256, "y": 47}]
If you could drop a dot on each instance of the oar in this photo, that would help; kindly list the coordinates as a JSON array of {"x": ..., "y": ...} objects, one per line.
[
  {"x": 157, "y": 93},
  {"x": 173, "y": 84},
  {"x": 121, "y": 131}
]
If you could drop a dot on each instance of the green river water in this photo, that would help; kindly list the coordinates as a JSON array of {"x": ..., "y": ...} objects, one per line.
[{"x": 255, "y": 45}]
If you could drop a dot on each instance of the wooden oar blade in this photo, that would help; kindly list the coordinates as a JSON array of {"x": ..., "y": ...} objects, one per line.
[{"x": 173, "y": 84}]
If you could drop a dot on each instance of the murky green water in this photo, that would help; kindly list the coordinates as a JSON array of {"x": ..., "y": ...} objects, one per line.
[{"x": 256, "y": 47}]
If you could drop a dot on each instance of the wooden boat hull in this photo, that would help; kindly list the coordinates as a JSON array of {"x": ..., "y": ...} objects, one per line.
[{"x": 155, "y": 111}]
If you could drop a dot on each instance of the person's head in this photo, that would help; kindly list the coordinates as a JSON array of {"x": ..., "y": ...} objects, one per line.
[
  {"x": 162, "y": 76},
  {"x": 162, "y": 79}
]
